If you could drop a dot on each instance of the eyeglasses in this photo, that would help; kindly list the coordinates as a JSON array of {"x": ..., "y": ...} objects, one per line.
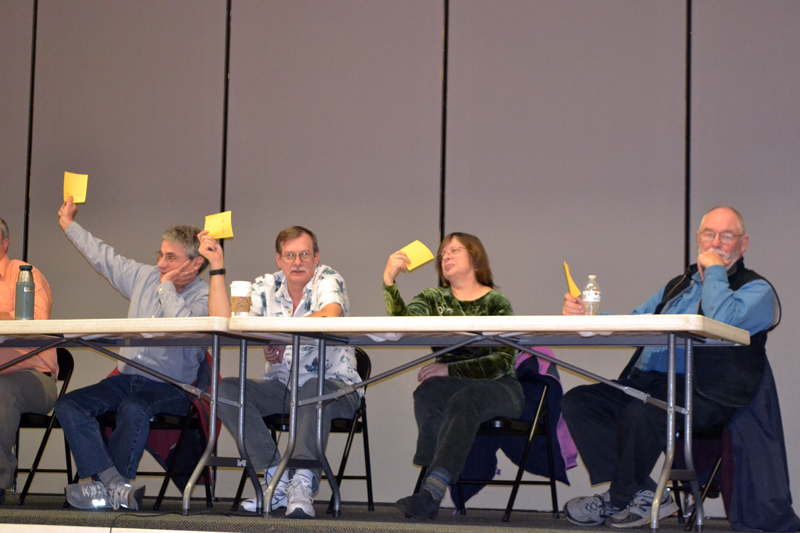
[
  {"x": 726, "y": 237},
  {"x": 305, "y": 257},
  {"x": 169, "y": 257},
  {"x": 451, "y": 252}
]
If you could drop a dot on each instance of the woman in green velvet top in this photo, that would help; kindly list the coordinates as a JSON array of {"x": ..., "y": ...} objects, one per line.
[{"x": 461, "y": 389}]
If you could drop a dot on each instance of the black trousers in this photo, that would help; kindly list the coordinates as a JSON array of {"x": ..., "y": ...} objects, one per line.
[
  {"x": 449, "y": 412},
  {"x": 621, "y": 438}
]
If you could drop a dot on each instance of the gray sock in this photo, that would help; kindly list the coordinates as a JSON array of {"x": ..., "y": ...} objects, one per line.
[{"x": 111, "y": 478}]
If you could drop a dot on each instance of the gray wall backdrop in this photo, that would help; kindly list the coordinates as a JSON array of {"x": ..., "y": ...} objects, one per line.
[{"x": 565, "y": 141}]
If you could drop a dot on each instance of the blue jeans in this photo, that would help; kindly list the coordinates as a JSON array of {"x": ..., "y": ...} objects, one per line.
[{"x": 135, "y": 399}]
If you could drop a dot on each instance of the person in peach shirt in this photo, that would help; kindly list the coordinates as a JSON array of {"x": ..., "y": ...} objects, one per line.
[{"x": 27, "y": 386}]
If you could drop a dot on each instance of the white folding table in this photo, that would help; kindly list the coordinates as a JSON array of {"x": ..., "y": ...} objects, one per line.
[
  {"x": 445, "y": 333},
  {"x": 520, "y": 332}
]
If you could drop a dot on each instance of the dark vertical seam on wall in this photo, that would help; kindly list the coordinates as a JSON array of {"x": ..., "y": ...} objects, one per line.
[
  {"x": 26, "y": 214},
  {"x": 224, "y": 175},
  {"x": 443, "y": 152},
  {"x": 688, "y": 140}
]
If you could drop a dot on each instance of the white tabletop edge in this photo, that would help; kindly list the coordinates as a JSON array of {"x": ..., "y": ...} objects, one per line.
[
  {"x": 697, "y": 325},
  {"x": 112, "y": 326},
  {"x": 533, "y": 325}
]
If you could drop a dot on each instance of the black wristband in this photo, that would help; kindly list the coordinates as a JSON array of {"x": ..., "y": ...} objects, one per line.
[{"x": 218, "y": 272}]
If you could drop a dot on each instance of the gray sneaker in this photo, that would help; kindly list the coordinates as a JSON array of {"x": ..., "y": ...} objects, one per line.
[
  {"x": 590, "y": 510},
  {"x": 637, "y": 513},
  {"x": 88, "y": 495},
  {"x": 126, "y": 496}
]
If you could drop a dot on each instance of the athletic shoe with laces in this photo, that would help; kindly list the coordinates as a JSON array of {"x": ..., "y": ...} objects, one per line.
[
  {"x": 126, "y": 496},
  {"x": 92, "y": 495},
  {"x": 590, "y": 510},
  {"x": 299, "y": 498},
  {"x": 637, "y": 513},
  {"x": 278, "y": 497}
]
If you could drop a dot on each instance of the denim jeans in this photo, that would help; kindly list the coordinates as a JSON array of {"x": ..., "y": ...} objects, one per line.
[
  {"x": 135, "y": 399},
  {"x": 21, "y": 391},
  {"x": 271, "y": 396},
  {"x": 449, "y": 412}
]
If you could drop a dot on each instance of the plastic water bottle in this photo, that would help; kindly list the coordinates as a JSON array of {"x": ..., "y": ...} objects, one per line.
[
  {"x": 591, "y": 297},
  {"x": 24, "y": 300}
]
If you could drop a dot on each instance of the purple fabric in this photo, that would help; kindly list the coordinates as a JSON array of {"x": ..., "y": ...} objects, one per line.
[{"x": 568, "y": 449}]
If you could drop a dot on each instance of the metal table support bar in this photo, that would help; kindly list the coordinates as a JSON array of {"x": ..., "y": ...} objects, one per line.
[
  {"x": 294, "y": 380},
  {"x": 37, "y": 351},
  {"x": 389, "y": 373},
  {"x": 669, "y": 454},
  {"x": 337, "y": 500},
  {"x": 248, "y": 466},
  {"x": 639, "y": 395},
  {"x": 687, "y": 437},
  {"x": 191, "y": 389},
  {"x": 212, "y": 426}
]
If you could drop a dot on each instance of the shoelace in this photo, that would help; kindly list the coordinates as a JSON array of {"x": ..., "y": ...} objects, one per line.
[
  {"x": 96, "y": 492},
  {"x": 119, "y": 494},
  {"x": 595, "y": 503},
  {"x": 645, "y": 500},
  {"x": 299, "y": 486}
]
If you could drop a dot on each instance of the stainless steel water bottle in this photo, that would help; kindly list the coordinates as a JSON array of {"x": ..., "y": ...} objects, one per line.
[{"x": 26, "y": 290}]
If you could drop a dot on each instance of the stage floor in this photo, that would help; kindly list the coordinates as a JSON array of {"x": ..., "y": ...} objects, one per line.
[{"x": 48, "y": 510}]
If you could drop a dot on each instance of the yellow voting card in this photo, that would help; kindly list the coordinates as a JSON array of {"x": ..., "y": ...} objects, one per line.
[
  {"x": 419, "y": 254},
  {"x": 75, "y": 186},
  {"x": 219, "y": 225},
  {"x": 573, "y": 289}
]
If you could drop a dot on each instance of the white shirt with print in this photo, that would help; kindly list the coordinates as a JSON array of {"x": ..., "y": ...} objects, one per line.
[{"x": 270, "y": 297}]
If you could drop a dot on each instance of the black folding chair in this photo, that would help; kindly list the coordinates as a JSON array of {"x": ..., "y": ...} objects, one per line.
[{"x": 47, "y": 422}]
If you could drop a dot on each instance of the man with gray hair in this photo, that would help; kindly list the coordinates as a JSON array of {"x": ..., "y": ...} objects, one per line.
[
  {"x": 30, "y": 385},
  {"x": 619, "y": 438},
  {"x": 171, "y": 289}
]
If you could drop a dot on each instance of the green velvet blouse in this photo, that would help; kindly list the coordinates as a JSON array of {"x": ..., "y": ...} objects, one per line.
[{"x": 484, "y": 362}]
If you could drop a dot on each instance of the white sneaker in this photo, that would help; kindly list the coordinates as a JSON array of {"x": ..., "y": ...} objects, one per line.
[
  {"x": 300, "y": 500},
  {"x": 637, "y": 513},
  {"x": 278, "y": 497}
]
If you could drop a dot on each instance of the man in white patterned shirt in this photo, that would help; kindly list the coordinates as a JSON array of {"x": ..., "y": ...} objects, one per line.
[{"x": 302, "y": 288}]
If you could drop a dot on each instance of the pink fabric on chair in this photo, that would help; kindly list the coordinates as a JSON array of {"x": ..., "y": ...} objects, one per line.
[{"x": 568, "y": 449}]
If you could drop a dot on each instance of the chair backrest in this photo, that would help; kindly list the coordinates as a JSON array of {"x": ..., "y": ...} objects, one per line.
[
  {"x": 66, "y": 364},
  {"x": 363, "y": 364}
]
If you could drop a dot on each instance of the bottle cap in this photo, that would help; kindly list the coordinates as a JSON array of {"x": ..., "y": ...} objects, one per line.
[{"x": 29, "y": 268}]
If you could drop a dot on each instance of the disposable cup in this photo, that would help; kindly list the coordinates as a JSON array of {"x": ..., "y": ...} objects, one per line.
[{"x": 240, "y": 298}]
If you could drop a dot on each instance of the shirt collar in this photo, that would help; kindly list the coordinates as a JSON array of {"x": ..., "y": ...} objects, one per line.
[{"x": 5, "y": 262}]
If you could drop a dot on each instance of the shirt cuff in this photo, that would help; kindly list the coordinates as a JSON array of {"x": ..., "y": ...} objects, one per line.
[{"x": 166, "y": 286}]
